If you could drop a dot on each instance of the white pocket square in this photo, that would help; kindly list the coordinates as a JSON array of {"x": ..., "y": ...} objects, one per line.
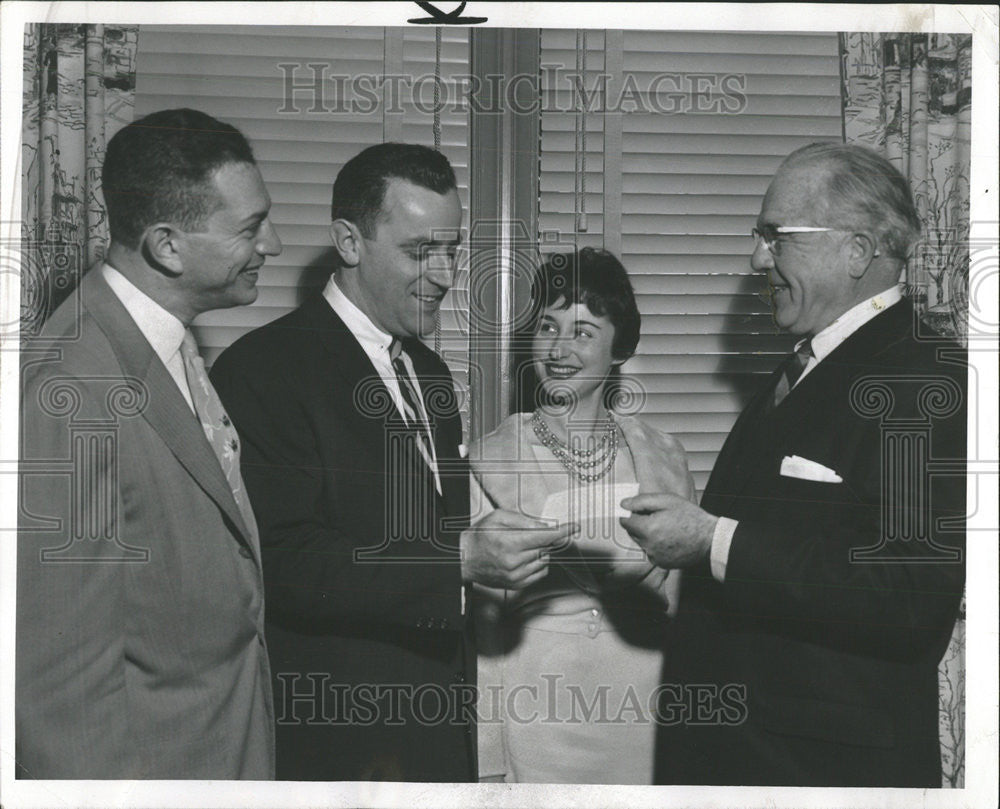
[{"x": 792, "y": 466}]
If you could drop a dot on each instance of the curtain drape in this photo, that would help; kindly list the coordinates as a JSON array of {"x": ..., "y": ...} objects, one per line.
[
  {"x": 908, "y": 96},
  {"x": 79, "y": 89}
]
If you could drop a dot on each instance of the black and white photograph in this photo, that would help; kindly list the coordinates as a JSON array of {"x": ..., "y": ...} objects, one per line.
[{"x": 487, "y": 404}]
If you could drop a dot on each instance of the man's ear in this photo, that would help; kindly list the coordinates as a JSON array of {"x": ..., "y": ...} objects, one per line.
[
  {"x": 863, "y": 248},
  {"x": 161, "y": 247},
  {"x": 347, "y": 241}
]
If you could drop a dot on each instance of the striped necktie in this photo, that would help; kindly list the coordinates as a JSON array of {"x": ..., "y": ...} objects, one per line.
[
  {"x": 217, "y": 426},
  {"x": 794, "y": 367},
  {"x": 413, "y": 409}
]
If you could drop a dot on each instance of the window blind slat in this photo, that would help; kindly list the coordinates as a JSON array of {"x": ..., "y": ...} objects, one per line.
[
  {"x": 692, "y": 183},
  {"x": 233, "y": 73}
]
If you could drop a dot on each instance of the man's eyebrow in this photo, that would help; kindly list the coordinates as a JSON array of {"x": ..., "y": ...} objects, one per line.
[
  {"x": 420, "y": 241},
  {"x": 257, "y": 216}
]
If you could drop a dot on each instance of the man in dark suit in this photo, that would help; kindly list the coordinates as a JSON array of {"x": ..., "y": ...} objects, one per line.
[
  {"x": 140, "y": 597},
  {"x": 351, "y": 436},
  {"x": 826, "y": 562}
]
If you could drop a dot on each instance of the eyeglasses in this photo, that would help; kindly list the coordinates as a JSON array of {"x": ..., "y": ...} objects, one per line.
[{"x": 771, "y": 235}]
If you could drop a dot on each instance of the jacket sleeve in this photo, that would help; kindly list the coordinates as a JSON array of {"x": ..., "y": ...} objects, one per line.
[{"x": 71, "y": 699}]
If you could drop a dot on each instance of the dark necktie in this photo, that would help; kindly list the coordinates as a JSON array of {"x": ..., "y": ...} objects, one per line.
[
  {"x": 793, "y": 370},
  {"x": 414, "y": 413}
]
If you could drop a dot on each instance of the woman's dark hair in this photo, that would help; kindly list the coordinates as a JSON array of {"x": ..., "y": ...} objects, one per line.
[{"x": 597, "y": 279}]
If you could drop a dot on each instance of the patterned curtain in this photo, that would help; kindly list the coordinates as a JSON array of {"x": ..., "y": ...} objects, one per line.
[
  {"x": 79, "y": 89},
  {"x": 908, "y": 97}
]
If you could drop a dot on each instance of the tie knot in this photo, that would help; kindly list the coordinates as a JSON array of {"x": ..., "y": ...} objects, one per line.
[
  {"x": 804, "y": 351},
  {"x": 396, "y": 357}
]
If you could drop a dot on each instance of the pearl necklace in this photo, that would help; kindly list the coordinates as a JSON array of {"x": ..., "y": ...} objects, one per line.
[{"x": 585, "y": 464}]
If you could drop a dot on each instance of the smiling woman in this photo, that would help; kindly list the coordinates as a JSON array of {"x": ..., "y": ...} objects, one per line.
[{"x": 596, "y": 622}]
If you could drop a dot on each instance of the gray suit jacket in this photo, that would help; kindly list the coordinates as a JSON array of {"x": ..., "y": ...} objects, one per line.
[{"x": 140, "y": 646}]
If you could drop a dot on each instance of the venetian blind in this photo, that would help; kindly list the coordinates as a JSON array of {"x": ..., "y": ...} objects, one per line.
[
  {"x": 376, "y": 84},
  {"x": 673, "y": 184}
]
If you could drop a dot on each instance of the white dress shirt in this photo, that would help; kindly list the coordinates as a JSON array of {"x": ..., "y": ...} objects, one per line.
[
  {"x": 822, "y": 345},
  {"x": 377, "y": 345},
  {"x": 162, "y": 330}
]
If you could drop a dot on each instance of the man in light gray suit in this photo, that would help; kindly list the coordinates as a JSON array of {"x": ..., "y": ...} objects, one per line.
[{"x": 140, "y": 614}]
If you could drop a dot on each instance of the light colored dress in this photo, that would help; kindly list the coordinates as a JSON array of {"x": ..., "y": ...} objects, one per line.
[{"x": 568, "y": 667}]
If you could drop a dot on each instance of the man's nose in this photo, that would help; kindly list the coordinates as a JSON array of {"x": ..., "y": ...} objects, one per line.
[
  {"x": 440, "y": 271},
  {"x": 761, "y": 259},
  {"x": 268, "y": 244}
]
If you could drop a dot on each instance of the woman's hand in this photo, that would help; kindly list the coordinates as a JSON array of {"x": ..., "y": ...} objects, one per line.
[{"x": 660, "y": 460}]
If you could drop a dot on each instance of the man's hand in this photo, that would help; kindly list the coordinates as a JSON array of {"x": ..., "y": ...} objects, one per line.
[
  {"x": 507, "y": 549},
  {"x": 673, "y": 531}
]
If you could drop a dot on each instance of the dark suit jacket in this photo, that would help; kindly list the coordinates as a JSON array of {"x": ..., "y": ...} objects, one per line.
[
  {"x": 824, "y": 668},
  {"x": 140, "y": 619},
  {"x": 330, "y": 474}
]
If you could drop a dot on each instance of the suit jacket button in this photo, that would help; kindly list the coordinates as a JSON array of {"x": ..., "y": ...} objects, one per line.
[
  {"x": 444, "y": 623},
  {"x": 420, "y": 623},
  {"x": 245, "y": 552}
]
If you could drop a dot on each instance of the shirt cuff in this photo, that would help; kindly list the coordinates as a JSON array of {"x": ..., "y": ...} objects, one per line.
[{"x": 721, "y": 540}]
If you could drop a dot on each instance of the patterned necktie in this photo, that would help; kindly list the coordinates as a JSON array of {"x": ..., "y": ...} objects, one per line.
[
  {"x": 413, "y": 411},
  {"x": 793, "y": 370},
  {"x": 218, "y": 427}
]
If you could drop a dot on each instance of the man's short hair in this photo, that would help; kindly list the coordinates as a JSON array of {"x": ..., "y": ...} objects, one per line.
[
  {"x": 160, "y": 169},
  {"x": 864, "y": 191},
  {"x": 359, "y": 190}
]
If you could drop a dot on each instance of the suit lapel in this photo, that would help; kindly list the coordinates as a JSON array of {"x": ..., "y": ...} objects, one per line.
[
  {"x": 166, "y": 411},
  {"x": 351, "y": 368},
  {"x": 830, "y": 381},
  {"x": 729, "y": 477},
  {"x": 438, "y": 393},
  {"x": 756, "y": 431},
  {"x": 363, "y": 399},
  {"x": 434, "y": 395}
]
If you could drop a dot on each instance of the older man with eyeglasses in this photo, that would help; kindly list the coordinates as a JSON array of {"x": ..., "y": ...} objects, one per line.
[{"x": 825, "y": 565}]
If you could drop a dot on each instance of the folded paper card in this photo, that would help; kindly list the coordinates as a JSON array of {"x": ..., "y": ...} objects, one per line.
[
  {"x": 596, "y": 510},
  {"x": 602, "y": 550}
]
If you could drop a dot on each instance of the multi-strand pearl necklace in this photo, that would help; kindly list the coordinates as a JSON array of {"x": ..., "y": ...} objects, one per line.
[{"x": 587, "y": 465}]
